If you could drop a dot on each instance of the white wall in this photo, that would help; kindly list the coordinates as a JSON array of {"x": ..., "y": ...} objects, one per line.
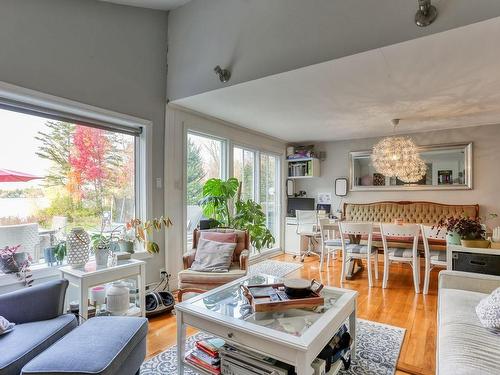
[
  {"x": 178, "y": 122},
  {"x": 102, "y": 54},
  {"x": 486, "y": 176},
  {"x": 258, "y": 38}
]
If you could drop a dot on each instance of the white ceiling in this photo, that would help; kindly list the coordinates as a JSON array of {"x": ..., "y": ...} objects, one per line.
[
  {"x": 445, "y": 80},
  {"x": 152, "y": 4}
]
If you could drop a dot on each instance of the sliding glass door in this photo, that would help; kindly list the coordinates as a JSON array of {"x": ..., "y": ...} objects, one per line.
[
  {"x": 269, "y": 192},
  {"x": 244, "y": 170},
  {"x": 205, "y": 159}
]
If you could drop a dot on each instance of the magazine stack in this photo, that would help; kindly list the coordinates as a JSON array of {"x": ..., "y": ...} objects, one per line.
[{"x": 205, "y": 355}]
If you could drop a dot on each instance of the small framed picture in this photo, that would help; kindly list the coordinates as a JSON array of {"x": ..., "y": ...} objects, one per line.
[{"x": 341, "y": 187}]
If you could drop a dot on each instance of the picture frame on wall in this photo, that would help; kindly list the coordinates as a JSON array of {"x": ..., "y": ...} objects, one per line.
[{"x": 341, "y": 187}]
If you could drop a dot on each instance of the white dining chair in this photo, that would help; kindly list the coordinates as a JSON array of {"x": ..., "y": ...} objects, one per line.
[
  {"x": 307, "y": 226},
  {"x": 401, "y": 255},
  {"x": 433, "y": 258},
  {"x": 357, "y": 251},
  {"x": 330, "y": 241}
]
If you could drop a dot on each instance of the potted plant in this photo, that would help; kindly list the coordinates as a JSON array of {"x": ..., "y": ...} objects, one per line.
[
  {"x": 126, "y": 240},
  {"x": 60, "y": 252},
  {"x": 471, "y": 231},
  {"x": 452, "y": 236},
  {"x": 143, "y": 231},
  {"x": 14, "y": 261},
  {"x": 220, "y": 195},
  {"x": 100, "y": 245}
]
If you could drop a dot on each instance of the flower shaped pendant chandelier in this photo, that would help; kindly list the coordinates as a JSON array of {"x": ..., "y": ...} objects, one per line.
[{"x": 398, "y": 157}]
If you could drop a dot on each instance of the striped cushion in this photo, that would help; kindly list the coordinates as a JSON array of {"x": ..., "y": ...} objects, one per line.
[
  {"x": 438, "y": 256},
  {"x": 359, "y": 249},
  {"x": 397, "y": 252},
  {"x": 335, "y": 242}
]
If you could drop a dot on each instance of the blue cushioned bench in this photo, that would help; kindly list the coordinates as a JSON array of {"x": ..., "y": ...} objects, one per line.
[{"x": 100, "y": 346}]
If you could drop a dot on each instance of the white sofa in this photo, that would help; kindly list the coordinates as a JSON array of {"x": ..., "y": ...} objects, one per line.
[{"x": 464, "y": 346}]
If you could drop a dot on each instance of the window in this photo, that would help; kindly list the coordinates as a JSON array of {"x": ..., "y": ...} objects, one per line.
[
  {"x": 269, "y": 192},
  {"x": 60, "y": 174},
  {"x": 204, "y": 160},
  {"x": 244, "y": 171}
]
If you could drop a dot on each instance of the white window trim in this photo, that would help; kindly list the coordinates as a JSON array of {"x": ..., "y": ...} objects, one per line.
[{"x": 144, "y": 153}]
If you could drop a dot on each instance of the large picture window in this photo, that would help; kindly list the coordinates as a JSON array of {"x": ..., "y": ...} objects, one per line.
[{"x": 60, "y": 175}]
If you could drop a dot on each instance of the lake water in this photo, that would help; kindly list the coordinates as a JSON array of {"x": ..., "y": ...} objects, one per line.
[{"x": 21, "y": 207}]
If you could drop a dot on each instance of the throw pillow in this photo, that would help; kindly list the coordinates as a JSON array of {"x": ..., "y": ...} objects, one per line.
[
  {"x": 212, "y": 256},
  {"x": 226, "y": 237},
  {"x": 5, "y": 325},
  {"x": 488, "y": 311}
]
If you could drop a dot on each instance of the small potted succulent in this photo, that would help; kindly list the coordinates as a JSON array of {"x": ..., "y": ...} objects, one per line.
[
  {"x": 14, "y": 261},
  {"x": 145, "y": 229}
]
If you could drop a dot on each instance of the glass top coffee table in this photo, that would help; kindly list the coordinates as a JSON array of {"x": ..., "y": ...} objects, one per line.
[{"x": 294, "y": 336}]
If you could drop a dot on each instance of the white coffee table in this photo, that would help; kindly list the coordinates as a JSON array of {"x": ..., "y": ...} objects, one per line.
[{"x": 295, "y": 336}]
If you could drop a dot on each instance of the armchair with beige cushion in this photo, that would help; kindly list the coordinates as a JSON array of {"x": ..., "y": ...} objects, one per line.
[{"x": 191, "y": 281}]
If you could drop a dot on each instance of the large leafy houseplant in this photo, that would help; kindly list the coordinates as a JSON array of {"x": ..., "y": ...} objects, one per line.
[
  {"x": 222, "y": 203},
  {"x": 143, "y": 231}
]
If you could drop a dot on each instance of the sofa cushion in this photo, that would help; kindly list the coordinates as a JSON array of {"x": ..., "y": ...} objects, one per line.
[
  {"x": 108, "y": 341},
  {"x": 212, "y": 256},
  {"x": 465, "y": 347},
  {"x": 229, "y": 237},
  {"x": 27, "y": 340}
]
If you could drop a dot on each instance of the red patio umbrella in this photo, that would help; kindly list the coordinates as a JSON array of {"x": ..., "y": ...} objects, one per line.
[{"x": 6, "y": 175}]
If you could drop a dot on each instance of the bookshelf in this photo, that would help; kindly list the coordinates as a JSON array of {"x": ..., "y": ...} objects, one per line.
[{"x": 303, "y": 168}]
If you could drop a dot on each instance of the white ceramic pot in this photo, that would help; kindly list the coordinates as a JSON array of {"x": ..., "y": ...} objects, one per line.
[
  {"x": 77, "y": 247},
  {"x": 101, "y": 257},
  {"x": 117, "y": 298}
]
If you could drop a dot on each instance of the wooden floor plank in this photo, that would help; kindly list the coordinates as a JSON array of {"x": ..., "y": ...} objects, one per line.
[{"x": 397, "y": 305}]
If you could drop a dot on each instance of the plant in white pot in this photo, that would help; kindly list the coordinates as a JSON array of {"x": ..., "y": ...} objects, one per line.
[{"x": 144, "y": 230}]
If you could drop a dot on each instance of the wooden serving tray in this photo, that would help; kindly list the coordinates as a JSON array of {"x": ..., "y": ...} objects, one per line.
[{"x": 258, "y": 297}]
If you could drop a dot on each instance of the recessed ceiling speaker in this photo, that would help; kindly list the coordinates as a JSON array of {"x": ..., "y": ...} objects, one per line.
[{"x": 426, "y": 13}]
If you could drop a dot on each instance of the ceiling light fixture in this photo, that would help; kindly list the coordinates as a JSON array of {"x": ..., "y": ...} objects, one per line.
[
  {"x": 224, "y": 74},
  {"x": 426, "y": 13},
  {"x": 398, "y": 157}
]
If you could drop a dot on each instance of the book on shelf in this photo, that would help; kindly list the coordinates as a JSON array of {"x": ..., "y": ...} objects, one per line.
[
  {"x": 205, "y": 357},
  {"x": 210, "y": 345},
  {"x": 214, "y": 370}
]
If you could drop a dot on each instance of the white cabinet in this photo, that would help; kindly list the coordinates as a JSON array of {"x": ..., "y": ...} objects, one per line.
[{"x": 292, "y": 239}]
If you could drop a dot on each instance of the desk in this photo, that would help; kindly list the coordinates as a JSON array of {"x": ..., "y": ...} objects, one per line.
[{"x": 89, "y": 276}]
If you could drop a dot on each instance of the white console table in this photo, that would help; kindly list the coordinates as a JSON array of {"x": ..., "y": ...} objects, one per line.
[{"x": 89, "y": 275}]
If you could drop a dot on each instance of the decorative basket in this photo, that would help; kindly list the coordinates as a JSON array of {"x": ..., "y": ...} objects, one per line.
[{"x": 78, "y": 247}]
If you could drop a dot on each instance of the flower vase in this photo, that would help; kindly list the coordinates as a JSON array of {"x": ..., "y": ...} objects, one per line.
[{"x": 78, "y": 247}]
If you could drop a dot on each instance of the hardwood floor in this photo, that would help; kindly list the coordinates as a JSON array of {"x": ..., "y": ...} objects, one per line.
[{"x": 397, "y": 305}]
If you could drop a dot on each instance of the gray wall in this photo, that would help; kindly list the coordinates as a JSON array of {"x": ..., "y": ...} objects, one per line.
[
  {"x": 97, "y": 53},
  {"x": 258, "y": 38},
  {"x": 486, "y": 181}
]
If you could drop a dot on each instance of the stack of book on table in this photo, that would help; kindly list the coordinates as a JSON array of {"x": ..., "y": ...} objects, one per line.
[
  {"x": 237, "y": 361},
  {"x": 205, "y": 355}
]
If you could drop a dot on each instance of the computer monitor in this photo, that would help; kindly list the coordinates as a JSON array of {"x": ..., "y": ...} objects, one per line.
[{"x": 295, "y": 204}]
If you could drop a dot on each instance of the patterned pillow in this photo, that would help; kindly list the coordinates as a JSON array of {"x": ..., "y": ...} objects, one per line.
[
  {"x": 5, "y": 325},
  {"x": 212, "y": 256},
  {"x": 488, "y": 311}
]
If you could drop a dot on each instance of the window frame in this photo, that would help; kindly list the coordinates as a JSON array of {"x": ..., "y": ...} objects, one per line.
[{"x": 50, "y": 106}]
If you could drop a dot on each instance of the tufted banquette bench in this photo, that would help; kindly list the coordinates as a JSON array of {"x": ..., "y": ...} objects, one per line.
[{"x": 408, "y": 211}]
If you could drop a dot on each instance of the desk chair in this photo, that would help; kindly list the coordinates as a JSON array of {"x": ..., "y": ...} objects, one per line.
[
  {"x": 401, "y": 255},
  {"x": 307, "y": 225},
  {"x": 433, "y": 258}
]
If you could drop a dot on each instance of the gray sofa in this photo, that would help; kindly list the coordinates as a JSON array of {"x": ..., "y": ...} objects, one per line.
[
  {"x": 464, "y": 346},
  {"x": 40, "y": 322}
]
